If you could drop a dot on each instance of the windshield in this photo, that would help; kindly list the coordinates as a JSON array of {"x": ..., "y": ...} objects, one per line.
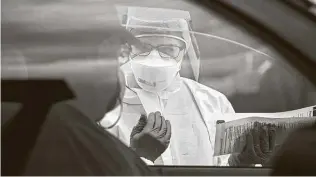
[{"x": 211, "y": 82}]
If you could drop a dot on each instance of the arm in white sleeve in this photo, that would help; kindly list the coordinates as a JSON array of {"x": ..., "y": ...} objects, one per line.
[
  {"x": 109, "y": 120},
  {"x": 225, "y": 105},
  {"x": 148, "y": 162}
]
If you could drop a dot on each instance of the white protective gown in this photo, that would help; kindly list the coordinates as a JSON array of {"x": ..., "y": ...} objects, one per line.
[{"x": 190, "y": 111}]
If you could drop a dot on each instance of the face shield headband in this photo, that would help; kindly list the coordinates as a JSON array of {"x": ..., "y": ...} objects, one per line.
[{"x": 176, "y": 28}]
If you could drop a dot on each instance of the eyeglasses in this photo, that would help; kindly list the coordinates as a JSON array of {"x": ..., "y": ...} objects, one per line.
[{"x": 164, "y": 50}]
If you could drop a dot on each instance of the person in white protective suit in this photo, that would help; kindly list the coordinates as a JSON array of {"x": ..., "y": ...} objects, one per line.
[{"x": 154, "y": 84}]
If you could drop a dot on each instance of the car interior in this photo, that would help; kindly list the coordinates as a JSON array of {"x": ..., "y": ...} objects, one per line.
[{"x": 262, "y": 24}]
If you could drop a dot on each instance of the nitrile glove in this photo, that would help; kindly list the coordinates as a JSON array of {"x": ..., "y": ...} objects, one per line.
[
  {"x": 151, "y": 140},
  {"x": 260, "y": 143}
]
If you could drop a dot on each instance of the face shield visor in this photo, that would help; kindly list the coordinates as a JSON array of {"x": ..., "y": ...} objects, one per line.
[{"x": 168, "y": 43}]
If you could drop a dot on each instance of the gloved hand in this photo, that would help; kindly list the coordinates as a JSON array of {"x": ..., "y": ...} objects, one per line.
[
  {"x": 151, "y": 137},
  {"x": 260, "y": 143},
  {"x": 267, "y": 142}
]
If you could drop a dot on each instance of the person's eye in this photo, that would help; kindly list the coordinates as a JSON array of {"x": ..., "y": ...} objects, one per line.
[
  {"x": 142, "y": 52},
  {"x": 171, "y": 51}
]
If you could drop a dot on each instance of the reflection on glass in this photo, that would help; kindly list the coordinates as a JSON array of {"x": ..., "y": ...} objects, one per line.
[
  {"x": 194, "y": 79},
  {"x": 178, "y": 84}
]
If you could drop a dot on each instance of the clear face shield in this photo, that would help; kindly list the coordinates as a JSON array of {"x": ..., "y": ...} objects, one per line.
[{"x": 167, "y": 46}]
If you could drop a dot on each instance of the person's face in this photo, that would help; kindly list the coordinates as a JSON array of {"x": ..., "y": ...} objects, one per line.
[{"x": 159, "y": 51}]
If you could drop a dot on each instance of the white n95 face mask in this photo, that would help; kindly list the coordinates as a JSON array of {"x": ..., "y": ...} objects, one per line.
[{"x": 154, "y": 74}]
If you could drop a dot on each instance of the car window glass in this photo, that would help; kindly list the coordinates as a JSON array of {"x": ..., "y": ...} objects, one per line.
[
  {"x": 225, "y": 74},
  {"x": 214, "y": 82}
]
